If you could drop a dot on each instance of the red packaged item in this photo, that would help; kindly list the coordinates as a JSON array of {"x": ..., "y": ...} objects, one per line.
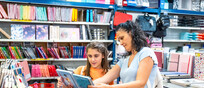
[
  {"x": 43, "y": 85},
  {"x": 52, "y": 70},
  {"x": 121, "y": 18},
  {"x": 124, "y": 2},
  {"x": 112, "y": 2}
]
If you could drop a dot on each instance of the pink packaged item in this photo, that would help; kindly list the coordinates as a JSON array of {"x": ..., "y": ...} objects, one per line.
[
  {"x": 156, "y": 45},
  {"x": 36, "y": 71},
  {"x": 33, "y": 71},
  {"x": 100, "y": 1}
]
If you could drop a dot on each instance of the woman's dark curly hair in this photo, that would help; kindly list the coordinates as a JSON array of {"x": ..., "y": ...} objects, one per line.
[{"x": 138, "y": 36}]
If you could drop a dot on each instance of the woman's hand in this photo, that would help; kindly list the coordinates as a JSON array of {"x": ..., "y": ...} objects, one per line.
[{"x": 99, "y": 85}]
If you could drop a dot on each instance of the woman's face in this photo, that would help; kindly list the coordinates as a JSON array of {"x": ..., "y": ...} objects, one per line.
[
  {"x": 125, "y": 39},
  {"x": 95, "y": 58}
]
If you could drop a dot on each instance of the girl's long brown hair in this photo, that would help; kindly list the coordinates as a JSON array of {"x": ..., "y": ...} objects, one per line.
[{"x": 103, "y": 50}]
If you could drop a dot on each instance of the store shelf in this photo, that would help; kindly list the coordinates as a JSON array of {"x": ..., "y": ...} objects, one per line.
[
  {"x": 85, "y": 41},
  {"x": 51, "y": 59},
  {"x": 64, "y": 3},
  {"x": 88, "y": 23},
  {"x": 186, "y": 28},
  {"x": 51, "y": 22},
  {"x": 43, "y": 78},
  {"x": 138, "y": 9},
  {"x": 2, "y": 60},
  {"x": 77, "y": 41},
  {"x": 183, "y": 12},
  {"x": 182, "y": 41},
  {"x": 202, "y": 28},
  {"x": 16, "y": 40}
]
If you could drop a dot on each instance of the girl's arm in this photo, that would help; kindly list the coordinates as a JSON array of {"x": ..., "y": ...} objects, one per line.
[{"x": 109, "y": 76}]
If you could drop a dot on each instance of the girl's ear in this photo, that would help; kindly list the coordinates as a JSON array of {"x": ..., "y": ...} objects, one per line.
[
  {"x": 103, "y": 56},
  {"x": 129, "y": 32}
]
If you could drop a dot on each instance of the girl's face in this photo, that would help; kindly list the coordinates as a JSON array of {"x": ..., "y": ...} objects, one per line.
[
  {"x": 95, "y": 58},
  {"x": 125, "y": 39}
]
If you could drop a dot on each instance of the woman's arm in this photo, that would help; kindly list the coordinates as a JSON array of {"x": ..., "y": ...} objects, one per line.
[
  {"x": 109, "y": 76},
  {"x": 144, "y": 70}
]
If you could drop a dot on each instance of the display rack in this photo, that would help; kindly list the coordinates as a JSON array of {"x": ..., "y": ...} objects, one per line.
[
  {"x": 51, "y": 22},
  {"x": 51, "y": 59},
  {"x": 139, "y": 9},
  {"x": 64, "y": 3},
  {"x": 187, "y": 28},
  {"x": 43, "y": 78},
  {"x": 182, "y": 12},
  {"x": 183, "y": 41},
  {"x": 68, "y": 41}
]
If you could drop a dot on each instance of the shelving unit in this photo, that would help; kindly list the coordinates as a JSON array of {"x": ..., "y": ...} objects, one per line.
[
  {"x": 66, "y": 62},
  {"x": 85, "y": 41},
  {"x": 43, "y": 78},
  {"x": 179, "y": 41},
  {"x": 186, "y": 28},
  {"x": 68, "y": 41},
  {"x": 51, "y": 22},
  {"x": 51, "y": 59},
  {"x": 63, "y": 3},
  {"x": 172, "y": 41},
  {"x": 139, "y": 9},
  {"x": 16, "y": 40},
  {"x": 182, "y": 12}
]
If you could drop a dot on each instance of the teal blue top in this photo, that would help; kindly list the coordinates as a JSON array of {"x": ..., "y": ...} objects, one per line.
[{"x": 129, "y": 74}]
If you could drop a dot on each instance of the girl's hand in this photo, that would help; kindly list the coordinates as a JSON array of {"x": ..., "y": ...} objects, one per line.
[
  {"x": 99, "y": 85},
  {"x": 60, "y": 84}
]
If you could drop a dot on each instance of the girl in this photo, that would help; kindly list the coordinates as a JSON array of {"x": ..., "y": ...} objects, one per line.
[{"x": 97, "y": 63}]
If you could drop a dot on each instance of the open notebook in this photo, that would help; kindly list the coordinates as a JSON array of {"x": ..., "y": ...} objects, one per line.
[{"x": 78, "y": 81}]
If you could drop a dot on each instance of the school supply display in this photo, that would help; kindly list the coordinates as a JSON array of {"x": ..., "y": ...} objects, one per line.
[
  {"x": 186, "y": 82},
  {"x": 98, "y": 34},
  {"x": 44, "y": 85},
  {"x": 6, "y": 34},
  {"x": 16, "y": 31},
  {"x": 198, "y": 67},
  {"x": 161, "y": 25},
  {"x": 146, "y": 22},
  {"x": 174, "y": 75},
  {"x": 43, "y": 70},
  {"x": 121, "y": 18},
  {"x": 13, "y": 75},
  {"x": 180, "y": 63},
  {"x": 42, "y": 32},
  {"x": 50, "y": 13},
  {"x": 78, "y": 81}
]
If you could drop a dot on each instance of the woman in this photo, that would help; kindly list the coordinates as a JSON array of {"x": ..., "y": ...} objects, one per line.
[
  {"x": 138, "y": 69},
  {"x": 97, "y": 63}
]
